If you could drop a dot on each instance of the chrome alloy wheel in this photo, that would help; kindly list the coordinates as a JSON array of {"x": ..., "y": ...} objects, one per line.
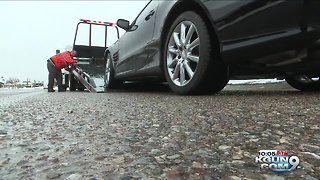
[
  {"x": 108, "y": 71},
  {"x": 183, "y": 53}
]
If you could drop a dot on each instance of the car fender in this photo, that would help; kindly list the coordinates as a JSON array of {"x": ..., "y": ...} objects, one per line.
[{"x": 114, "y": 48}]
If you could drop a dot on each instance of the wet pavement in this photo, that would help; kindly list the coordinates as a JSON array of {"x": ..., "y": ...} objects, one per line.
[{"x": 151, "y": 133}]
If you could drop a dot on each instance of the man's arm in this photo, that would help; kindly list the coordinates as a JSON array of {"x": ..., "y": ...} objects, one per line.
[{"x": 69, "y": 59}]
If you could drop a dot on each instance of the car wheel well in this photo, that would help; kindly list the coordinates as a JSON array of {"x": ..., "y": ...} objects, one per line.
[{"x": 181, "y": 7}]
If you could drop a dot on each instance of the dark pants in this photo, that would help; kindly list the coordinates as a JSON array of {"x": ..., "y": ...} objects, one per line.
[{"x": 54, "y": 73}]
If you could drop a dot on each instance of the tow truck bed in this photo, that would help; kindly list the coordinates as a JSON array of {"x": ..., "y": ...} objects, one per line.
[{"x": 89, "y": 72}]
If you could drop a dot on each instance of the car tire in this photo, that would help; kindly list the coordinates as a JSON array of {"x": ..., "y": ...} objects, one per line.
[
  {"x": 109, "y": 81},
  {"x": 304, "y": 83},
  {"x": 191, "y": 63},
  {"x": 66, "y": 81},
  {"x": 72, "y": 83}
]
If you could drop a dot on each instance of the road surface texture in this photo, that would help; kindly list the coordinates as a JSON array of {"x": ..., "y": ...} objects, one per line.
[{"x": 151, "y": 133}]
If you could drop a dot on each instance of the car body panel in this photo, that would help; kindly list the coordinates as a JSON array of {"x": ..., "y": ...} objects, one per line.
[
  {"x": 246, "y": 31},
  {"x": 134, "y": 56}
]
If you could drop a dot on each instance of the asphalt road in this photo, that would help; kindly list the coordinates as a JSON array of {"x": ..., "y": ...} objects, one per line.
[{"x": 144, "y": 132}]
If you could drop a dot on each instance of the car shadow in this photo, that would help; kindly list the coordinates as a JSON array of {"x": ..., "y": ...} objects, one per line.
[
  {"x": 263, "y": 93},
  {"x": 272, "y": 89},
  {"x": 143, "y": 87},
  {"x": 268, "y": 89}
]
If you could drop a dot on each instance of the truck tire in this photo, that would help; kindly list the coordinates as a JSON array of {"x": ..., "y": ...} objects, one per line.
[
  {"x": 72, "y": 83},
  {"x": 81, "y": 88},
  {"x": 66, "y": 81}
]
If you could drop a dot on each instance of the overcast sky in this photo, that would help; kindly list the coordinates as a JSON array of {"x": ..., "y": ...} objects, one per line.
[{"x": 31, "y": 31}]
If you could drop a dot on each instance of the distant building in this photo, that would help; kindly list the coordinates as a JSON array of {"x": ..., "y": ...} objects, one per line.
[
  {"x": 18, "y": 84},
  {"x": 26, "y": 83}
]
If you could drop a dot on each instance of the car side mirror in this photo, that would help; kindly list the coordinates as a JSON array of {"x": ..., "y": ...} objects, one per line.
[{"x": 124, "y": 24}]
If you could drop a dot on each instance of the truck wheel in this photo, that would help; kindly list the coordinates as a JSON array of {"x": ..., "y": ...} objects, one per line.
[
  {"x": 191, "y": 62},
  {"x": 72, "y": 83},
  {"x": 66, "y": 81},
  {"x": 109, "y": 81},
  {"x": 80, "y": 89}
]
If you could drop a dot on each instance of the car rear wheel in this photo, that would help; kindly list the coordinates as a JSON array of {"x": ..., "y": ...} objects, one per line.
[
  {"x": 109, "y": 81},
  {"x": 304, "y": 82},
  {"x": 191, "y": 63}
]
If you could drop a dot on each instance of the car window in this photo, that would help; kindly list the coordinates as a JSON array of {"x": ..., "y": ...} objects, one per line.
[{"x": 135, "y": 20}]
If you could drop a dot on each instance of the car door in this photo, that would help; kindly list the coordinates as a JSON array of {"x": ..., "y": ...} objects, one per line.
[
  {"x": 256, "y": 28},
  {"x": 311, "y": 20},
  {"x": 133, "y": 44}
]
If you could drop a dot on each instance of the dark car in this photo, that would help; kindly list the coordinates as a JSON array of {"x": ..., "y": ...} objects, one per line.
[{"x": 198, "y": 45}]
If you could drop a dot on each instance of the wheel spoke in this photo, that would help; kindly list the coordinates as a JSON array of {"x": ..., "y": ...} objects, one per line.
[
  {"x": 188, "y": 69},
  {"x": 182, "y": 74},
  {"x": 172, "y": 63},
  {"x": 173, "y": 50},
  {"x": 176, "y": 39},
  {"x": 193, "y": 58},
  {"x": 107, "y": 72},
  {"x": 107, "y": 79},
  {"x": 189, "y": 34},
  {"x": 183, "y": 33},
  {"x": 176, "y": 72},
  {"x": 194, "y": 44}
]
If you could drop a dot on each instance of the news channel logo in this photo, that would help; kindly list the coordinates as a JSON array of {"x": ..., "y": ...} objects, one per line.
[{"x": 277, "y": 160}]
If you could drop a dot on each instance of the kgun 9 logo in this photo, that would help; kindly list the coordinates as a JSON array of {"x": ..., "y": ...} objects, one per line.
[{"x": 277, "y": 160}]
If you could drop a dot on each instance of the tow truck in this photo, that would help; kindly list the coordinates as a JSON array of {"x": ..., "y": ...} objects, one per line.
[{"x": 89, "y": 72}]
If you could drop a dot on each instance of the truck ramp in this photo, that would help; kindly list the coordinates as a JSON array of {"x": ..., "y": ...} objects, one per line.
[{"x": 90, "y": 74}]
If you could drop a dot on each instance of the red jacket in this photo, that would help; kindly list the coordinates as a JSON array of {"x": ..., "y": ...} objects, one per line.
[{"x": 63, "y": 59}]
